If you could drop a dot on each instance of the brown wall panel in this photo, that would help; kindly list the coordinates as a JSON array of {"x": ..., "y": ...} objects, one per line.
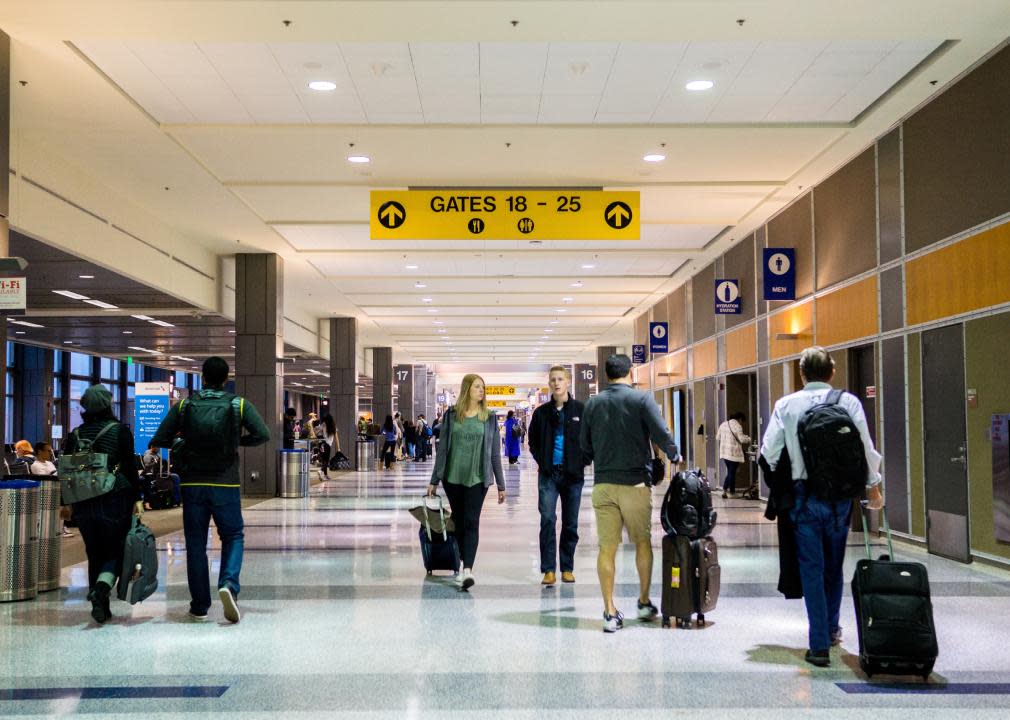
[
  {"x": 847, "y": 313},
  {"x": 670, "y": 370},
  {"x": 794, "y": 227},
  {"x": 957, "y": 156},
  {"x": 741, "y": 347},
  {"x": 971, "y": 274},
  {"x": 642, "y": 330},
  {"x": 703, "y": 296},
  {"x": 845, "y": 221},
  {"x": 797, "y": 320},
  {"x": 738, "y": 263},
  {"x": 705, "y": 359},
  {"x": 677, "y": 306},
  {"x": 660, "y": 311},
  {"x": 889, "y": 195}
]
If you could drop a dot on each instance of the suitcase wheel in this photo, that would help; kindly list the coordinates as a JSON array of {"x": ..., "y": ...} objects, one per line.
[
  {"x": 684, "y": 624},
  {"x": 701, "y": 621},
  {"x": 429, "y": 572},
  {"x": 666, "y": 621}
]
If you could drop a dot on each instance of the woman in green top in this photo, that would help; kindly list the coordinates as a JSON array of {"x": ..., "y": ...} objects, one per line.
[{"x": 468, "y": 461}]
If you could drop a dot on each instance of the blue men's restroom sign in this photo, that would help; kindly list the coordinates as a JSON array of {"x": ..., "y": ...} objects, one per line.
[
  {"x": 638, "y": 354},
  {"x": 727, "y": 297},
  {"x": 780, "y": 273},
  {"x": 659, "y": 341}
]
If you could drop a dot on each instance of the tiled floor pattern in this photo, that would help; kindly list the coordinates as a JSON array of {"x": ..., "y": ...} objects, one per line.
[{"x": 340, "y": 620}]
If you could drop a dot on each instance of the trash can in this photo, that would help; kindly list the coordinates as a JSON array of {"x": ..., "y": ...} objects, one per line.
[
  {"x": 50, "y": 528},
  {"x": 292, "y": 473},
  {"x": 19, "y": 539},
  {"x": 364, "y": 449},
  {"x": 302, "y": 445}
]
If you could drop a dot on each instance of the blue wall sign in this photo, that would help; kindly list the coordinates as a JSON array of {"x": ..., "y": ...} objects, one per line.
[
  {"x": 638, "y": 354},
  {"x": 779, "y": 273},
  {"x": 727, "y": 297},
  {"x": 659, "y": 337},
  {"x": 150, "y": 407}
]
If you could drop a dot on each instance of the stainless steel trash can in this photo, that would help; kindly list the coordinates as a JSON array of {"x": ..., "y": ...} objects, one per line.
[
  {"x": 365, "y": 454},
  {"x": 292, "y": 473},
  {"x": 50, "y": 527},
  {"x": 19, "y": 540},
  {"x": 302, "y": 444}
]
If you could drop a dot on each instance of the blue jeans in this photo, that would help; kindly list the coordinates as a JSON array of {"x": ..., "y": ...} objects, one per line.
[
  {"x": 821, "y": 531},
  {"x": 729, "y": 484},
  {"x": 552, "y": 485},
  {"x": 200, "y": 503}
]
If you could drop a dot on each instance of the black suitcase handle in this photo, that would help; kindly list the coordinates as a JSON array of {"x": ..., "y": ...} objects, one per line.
[{"x": 866, "y": 530}]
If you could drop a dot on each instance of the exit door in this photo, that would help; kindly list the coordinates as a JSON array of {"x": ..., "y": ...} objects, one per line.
[{"x": 945, "y": 441}]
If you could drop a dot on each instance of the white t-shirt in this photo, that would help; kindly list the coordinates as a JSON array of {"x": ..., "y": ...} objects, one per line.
[{"x": 42, "y": 467}]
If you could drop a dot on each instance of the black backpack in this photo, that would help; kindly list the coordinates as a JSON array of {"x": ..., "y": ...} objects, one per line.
[
  {"x": 687, "y": 506},
  {"x": 832, "y": 451},
  {"x": 210, "y": 432}
]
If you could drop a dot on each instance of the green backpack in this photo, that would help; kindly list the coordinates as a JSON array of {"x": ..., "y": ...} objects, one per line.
[
  {"x": 85, "y": 474},
  {"x": 210, "y": 432}
]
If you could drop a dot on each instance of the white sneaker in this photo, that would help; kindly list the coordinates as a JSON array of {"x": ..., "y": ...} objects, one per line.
[
  {"x": 468, "y": 580},
  {"x": 231, "y": 613}
]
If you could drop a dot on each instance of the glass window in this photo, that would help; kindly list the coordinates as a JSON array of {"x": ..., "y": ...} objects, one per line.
[
  {"x": 180, "y": 379},
  {"x": 57, "y": 361},
  {"x": 9, "y": 426},
  {"x": 197, "y": 382},
  {"x": 135, "y": 372},
  {"x": 110, "y": 369},
  {"x": 80, "y": 364},
  {"x": 57, "y": 388},
  {"x": 77, "y": 388},
  {"x": 10, "y": 354}
]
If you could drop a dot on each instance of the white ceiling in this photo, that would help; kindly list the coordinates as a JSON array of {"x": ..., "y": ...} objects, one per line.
[{"x": 210, "y": 100}]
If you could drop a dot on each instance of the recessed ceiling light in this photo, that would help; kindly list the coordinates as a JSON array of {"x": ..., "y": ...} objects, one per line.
[
  {"x": 127, "y": 332},
  {"x": 588, "y": 267},
  {"x": 426, "y": 300},
  {"x": 420, "y": 285},
  {"x": 696, "y": 85},
  {"x": 102, "y": 304},
  {"x": 322, "y": 86},
  {"x": 577, "y": 283},
  {"x": 441, "y": 330},
  {"x": 560, "y": 309},
  {"x": 360, "y": 159},
  {"x": 68, "y": 342},
  {"x": 567, "y": 299},
  {"x": 71, "y": 294},
  {"x": 19, "y": 332},
  {"x": 410, "y": 267},
  {"x": 548, "y": 330},
  {"x": 437, "y": 322},
  {"x": 433, "y": 310},
  {"x": 543, "y": 337},
  {"x": 555, "y": 322},
  {"x": 86, "y": 277},
  {"x": 654, "y": 157}
]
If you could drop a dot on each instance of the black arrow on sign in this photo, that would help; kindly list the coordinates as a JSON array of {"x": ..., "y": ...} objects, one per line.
[
  {"x": 617, "y": 215},
  {"x": 391, "y": 215}
]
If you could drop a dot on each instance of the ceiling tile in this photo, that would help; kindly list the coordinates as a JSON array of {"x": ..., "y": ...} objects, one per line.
[
  {"x": 512, "y": 68},
  {"x": 280, "y": 108},
  {"x": 578, "y": 68},
  {"x": 564, "y": 109}
]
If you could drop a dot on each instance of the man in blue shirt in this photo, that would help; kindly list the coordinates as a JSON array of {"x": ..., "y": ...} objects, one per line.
[{"x": 554, "y": 445}]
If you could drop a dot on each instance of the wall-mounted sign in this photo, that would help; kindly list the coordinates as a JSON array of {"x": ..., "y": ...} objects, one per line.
[
  {"x": 659, "y": 337},
  {"x": 871, "y": 392},
  {"x": 779, "y": 273},
  {"x": 149, "y": 409},
  {"x": 497, "y": 403},
  {"x": 13, "y": 293},
  {"x": 517, "y": 214},
  {"x": 971, "y": 396},
  {"x": 638, "y": 354},
  {"x": 500, "y": 390},
  {"x": 727, "y": 297}
]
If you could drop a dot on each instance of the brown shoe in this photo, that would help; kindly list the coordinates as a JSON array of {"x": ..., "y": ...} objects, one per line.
[
  {"x": 568, "y": 577},
  {"x": 549, "y": 579}
]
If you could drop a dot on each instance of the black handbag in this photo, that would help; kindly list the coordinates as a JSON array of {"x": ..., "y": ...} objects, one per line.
[{"x": 657, "y": 472}]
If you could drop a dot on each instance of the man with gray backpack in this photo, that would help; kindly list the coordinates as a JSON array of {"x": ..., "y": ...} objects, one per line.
[
  {"x": 205, "y": 432},
  {"x": 833, "y": 462}
]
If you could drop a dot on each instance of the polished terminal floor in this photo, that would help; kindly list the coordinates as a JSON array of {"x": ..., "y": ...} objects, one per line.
[{"x": 340, "y": 620}]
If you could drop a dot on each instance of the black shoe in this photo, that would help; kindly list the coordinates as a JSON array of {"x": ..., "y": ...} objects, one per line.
[
  {"x": 99, "y": 598},
  {"x": 724, "y": 495},
  {"x": 819, "y": 658}
]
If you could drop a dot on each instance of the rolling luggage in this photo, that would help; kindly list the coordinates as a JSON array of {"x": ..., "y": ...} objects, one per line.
[
  {"x": 691, "y": 579},
  {"x": 139, "y": 577},
  {"x": 158, "y": 492},
  {"x": 894, "y": 613},
  {"x": 439, "y": 550}
]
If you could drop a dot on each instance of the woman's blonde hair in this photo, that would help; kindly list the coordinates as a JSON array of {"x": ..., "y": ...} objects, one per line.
[{"x": 463, "y": 403}]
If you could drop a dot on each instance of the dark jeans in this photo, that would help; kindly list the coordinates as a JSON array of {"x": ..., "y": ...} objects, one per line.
[
  {"x": 324, "y": 457},
  {"x": 729, "y": 484},
  {"x": 200, "y": 504},
  {"x": 104, "y": 522},
  {"x": 466, "y": 504},
  {"x": 388, "y": 453},
  {"x": 552, "y": 485},
  {"x": 821, "y": 531}
]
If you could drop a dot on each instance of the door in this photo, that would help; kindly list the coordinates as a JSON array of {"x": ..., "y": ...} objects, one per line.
[
  {"x": 741, "y": 396},
  {"x": 711, "y": 427},
  {"x": 862, "y": 383},
  {"x": 944, "y": 439}
]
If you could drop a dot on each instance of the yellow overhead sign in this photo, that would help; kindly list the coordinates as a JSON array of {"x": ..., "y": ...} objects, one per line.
[
  {"x": 500, "y": 390},
  {"x": 476, "y": 214},
  {"x": 497, "y": 403}
]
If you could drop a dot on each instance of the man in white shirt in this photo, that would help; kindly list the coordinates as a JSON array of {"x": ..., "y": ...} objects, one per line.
[{"x": 821, "y": 526}]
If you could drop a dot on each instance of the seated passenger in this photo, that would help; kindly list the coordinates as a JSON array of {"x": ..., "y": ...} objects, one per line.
[{"x": 24, "y": 456}]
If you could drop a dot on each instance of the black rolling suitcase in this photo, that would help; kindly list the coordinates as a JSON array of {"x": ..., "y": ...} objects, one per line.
[
  {"x": 691, "y": 579},
  {"x": 894, "y": 613},
  {"x": 439, "y": 550}
]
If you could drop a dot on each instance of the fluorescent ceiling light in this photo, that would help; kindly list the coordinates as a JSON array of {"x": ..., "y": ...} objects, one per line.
[
  {"x": 19, "y": 332},
  {"x": 322, "y": 86},
  {"x": 127, "y": 332},
  {"x": 437, "y": 322},
  {"x": 71, "y": 294},
  {"x": 182, "y": 357},
  {"x": 102, "y": 304},
  {"x": 142, "y": 317},
  {"x": 654, "y": 157},
  {"x": 588, "y": 267},
  {"x": 25, "y": 323},
  {"x": 144, "y": 349},
  {"x": 426, "y": 300},
  {"x": 560, "y": 309},
  {"x": 696, "y": 85},
  {"x": 161, "y": 323},
  {"x": 359, "y": 159},
  {"x": 68, "y": 342},
  {"x": 420, "y": 285},
  {"x": 555, "y": 322},
  {"x": 567, "y": 299},
  {"x": 410, "y": 267},
  {"x": 86, "y": 277},
  {"x": 577, "y": 283},
  {"x": 433, "y": 310}
]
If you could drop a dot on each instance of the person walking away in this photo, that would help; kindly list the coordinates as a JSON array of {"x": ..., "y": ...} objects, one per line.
[
  {"x": 731, "y": 440},
  {"x": 618, "y": 425},
  {"x": 468, "y": 461},
  {"x": 398, "y": 422},
  {"x": 823, "y": 494},
  {"x": 556, "y": 448},
  {"x": 289, "y": 433},
  {"x": 206, "y": 431},
  {"x": 409, "y": 439},
  {"x": 389, "y": 436},
  {"x": 326, "y": 430},
  {"x": 512, "y": 437},
  {"x": 105, "y": 520},
  {"x": 425, "y": 433}
]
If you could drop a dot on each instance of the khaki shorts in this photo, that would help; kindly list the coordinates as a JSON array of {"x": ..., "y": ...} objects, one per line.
[{"x": 622, "y": 506}]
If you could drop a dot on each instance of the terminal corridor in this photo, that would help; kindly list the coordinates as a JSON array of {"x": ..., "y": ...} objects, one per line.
[{"x": 339, "y": 618}]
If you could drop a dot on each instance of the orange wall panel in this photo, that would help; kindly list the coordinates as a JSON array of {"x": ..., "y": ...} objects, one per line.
[
  {"x": 670, "y": 370},
  {"x": 797, "y": 320},
  {"x": 741, "y": 347},
  {"x": 971, "y": 274},
  {"x": 705, "y": 355},
  {"x": 847, "y": 313}
]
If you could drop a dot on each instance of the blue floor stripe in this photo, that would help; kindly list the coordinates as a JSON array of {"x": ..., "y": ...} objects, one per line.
[
  {"x": 115, "y": 693},
  {"x": 925, "y": 688}
]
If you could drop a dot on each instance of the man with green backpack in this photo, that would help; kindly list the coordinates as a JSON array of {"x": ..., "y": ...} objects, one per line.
[{"x": 205, "y": 432}]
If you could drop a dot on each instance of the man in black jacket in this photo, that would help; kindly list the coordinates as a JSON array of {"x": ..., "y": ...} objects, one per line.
[{"x": 554, "y": 444}]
